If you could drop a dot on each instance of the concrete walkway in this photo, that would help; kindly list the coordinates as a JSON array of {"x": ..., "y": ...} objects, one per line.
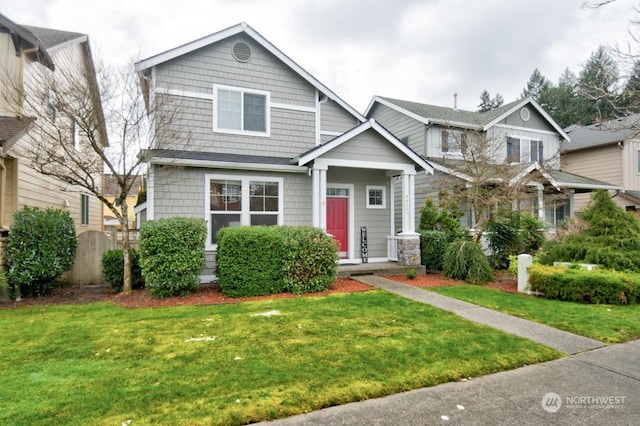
[{"x": 548, "y": 336}]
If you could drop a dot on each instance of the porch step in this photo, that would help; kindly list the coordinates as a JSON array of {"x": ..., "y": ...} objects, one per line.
[{"x": 386, "y": 268}]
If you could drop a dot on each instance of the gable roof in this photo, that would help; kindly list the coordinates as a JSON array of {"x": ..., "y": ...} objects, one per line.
[
  {"x": 318, "y": 151},
  {"x": 244, "y": 28},
  {"x": 428, "y": 114},
  {"x": 55, "y": 39},
  {"x": 557, "y": 178},
  {"x": 20, "y": 32},
  {"x": 601, "y": 134}
]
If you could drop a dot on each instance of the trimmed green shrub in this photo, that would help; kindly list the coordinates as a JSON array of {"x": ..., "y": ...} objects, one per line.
[
  {"x": 579, "y": 285},
  {"x": 611, "y": 239},
  {"x": 257, "y": 260},
  {"x": 310, "y": 261},
  {"x": 250, "y": 261},
  {"x": 172, "y": 255},
  {"x": 113, "y": 269},
  {"x": 465, "y": 260},
  {"x": 42, "y": 245},
  {"x": 412, "y": 274},
  {"x": 433, "y": 245},
  {"x": 513, "y": 234}
]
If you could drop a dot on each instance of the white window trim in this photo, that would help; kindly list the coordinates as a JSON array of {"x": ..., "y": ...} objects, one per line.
[
  {"x": 528, "y": 141},
  {"x": 384, "y": 196},
  {"x": 267, "y": 112},
  {"x": 458, "y": 136},
  {"x": 245, "y": 213}
]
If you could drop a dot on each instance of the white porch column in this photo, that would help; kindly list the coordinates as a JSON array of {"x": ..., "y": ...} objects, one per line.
[
  {"x": 408, "y": 204},
  {"x": 319, "y": 197},
  {"x": 540, "y": 204}
]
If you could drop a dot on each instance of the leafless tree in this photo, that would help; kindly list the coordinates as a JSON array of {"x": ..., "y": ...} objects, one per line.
[
  {"x": 69, "y": 139},
  {"x": 489, "y": 184}
]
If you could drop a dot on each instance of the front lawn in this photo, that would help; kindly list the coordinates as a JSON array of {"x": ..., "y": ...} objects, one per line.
[
  {"x": 607, "y": 323},
  {"x": 232, "y": 364}
]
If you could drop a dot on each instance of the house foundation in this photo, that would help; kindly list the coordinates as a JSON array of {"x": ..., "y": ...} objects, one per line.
[{"x": 409, "y": 250}]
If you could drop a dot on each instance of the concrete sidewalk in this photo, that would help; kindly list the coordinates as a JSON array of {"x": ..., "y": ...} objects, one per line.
[
  {"x": 599, "y": 387},
  {"x": 549, "y": 336}
]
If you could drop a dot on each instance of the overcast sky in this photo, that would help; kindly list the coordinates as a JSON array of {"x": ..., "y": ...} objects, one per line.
[{"x": 419, "y": 50}]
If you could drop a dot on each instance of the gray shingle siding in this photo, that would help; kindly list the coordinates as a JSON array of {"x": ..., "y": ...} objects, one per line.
[
  {"x": 334, "y": 118},
  {"x": 401, "y": 126},
  {"x": 368, "y": 146}
]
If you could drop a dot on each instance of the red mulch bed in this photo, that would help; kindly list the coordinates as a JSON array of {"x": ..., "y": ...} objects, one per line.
[{"x": 211, "y": 295}]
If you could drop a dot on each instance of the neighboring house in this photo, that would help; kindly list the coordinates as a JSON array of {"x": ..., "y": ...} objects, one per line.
[
  {"x": 608, "y": 151},
  {"x": 26, "y": 54},
  {"x": 519, "y": 134},
  {"x": 111, "y": 190},
  {"x": 265, "y": 143}
]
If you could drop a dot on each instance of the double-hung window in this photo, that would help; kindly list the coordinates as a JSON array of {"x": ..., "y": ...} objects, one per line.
[
  {"x": 242, "y": 200},
  {"x": 241, "y": 111},
  {"x": 453, "y": 142},
  {"x": 524, "y": 150}
]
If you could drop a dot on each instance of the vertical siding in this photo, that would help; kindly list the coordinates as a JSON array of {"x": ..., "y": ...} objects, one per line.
[{"x": 535, "y": 122}]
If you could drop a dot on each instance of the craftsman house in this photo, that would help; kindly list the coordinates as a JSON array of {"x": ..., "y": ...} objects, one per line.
[
  {"x": 519, "y": 136},
  {"x": 263, "y": 142}
]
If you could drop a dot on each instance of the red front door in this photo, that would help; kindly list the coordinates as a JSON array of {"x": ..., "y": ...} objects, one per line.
[{"x": 338, "y": 222}]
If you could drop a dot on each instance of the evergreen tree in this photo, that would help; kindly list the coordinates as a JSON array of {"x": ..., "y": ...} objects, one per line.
[
  {"x": 630, "y": 99},
  {"x": 537, "y": 86},
  {"x": 597, "y": 87},
  {"x": 487, "y": 103}
]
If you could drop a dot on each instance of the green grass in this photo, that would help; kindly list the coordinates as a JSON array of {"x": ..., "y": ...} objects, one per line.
[
  {"x": 607, "y": 323},
  {"x": 220, "y": 364}
]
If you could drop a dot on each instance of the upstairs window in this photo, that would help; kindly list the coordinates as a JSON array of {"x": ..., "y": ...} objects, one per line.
[
  {"x": 241, "y": 111},
  {"x": 75, "y": 135},
  {"x": 524, "y": 150},
  {"x": 453, "y": 142}
]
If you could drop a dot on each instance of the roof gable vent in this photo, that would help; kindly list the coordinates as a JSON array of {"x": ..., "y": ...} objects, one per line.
[
  {"x": 242, "y": 52},
  {"x": 525, "y": 114}
]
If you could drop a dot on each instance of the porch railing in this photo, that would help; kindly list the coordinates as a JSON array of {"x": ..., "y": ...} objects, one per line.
[{"x": 392, "y": 248}]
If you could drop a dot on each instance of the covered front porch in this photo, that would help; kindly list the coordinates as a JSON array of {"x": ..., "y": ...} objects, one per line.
[{"x": 353, "y": 195}]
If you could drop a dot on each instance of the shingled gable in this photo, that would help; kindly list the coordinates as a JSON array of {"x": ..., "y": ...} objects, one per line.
[
  {"x": 318, "y": 151},
  {"x": 454, "y": 117},
  {"x": 244, "y": 28}
]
